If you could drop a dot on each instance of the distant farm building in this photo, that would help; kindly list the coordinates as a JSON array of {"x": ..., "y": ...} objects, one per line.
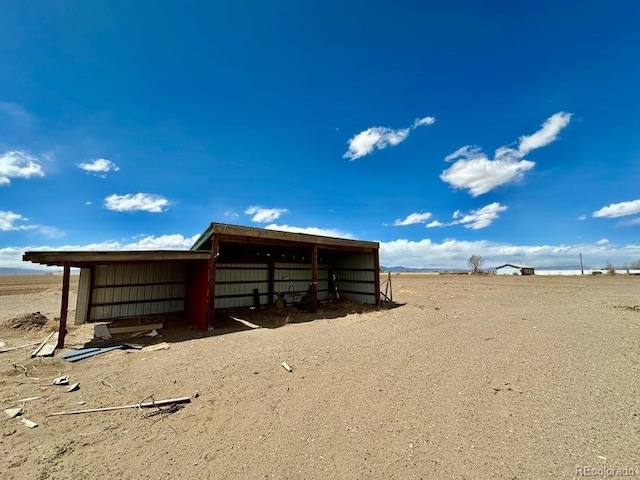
[
  {"x": 514, "y": 269},
  {"x": 229, "y": 266}
]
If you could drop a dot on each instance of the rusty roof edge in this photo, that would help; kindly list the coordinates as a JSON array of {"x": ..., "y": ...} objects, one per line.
[
  {"x": 229, "y": 229},
  {"x": 60, "y": 257}
]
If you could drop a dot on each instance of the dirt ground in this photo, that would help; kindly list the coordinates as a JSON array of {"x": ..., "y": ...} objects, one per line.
[{"x": 474, "y": 377}]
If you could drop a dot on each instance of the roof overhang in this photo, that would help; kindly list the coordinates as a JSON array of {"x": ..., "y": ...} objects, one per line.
[
  {"x": 85, "y": 258},
  {"x": 238, "y": 234}
]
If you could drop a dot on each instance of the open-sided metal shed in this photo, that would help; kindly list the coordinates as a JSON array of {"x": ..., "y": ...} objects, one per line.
[{"x": 229, "y": 266}]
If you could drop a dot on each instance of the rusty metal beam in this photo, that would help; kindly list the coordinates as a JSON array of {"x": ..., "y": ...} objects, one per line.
[{"x": 64, "y": 307}]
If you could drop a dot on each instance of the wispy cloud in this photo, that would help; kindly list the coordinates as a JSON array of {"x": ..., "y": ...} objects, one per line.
[
  {"x": 547, "y": 134},
  {"x": 13, "y": 222},
  {"x": 324, "y": 232},
  {"x": 621, "y": 209},
  {"x": 476, "y": 219},
  {"x": 435, "y": 224},
  {"x": 424, "y": 121},
  {"x": 264, "y": 215},
  {"x": 132, "y": 202},
  {"x": 412, "y": 219},
  {"x": 474, "y": 171},
  {"x": 99, "y": 167},
  {"x": 480, "y": 218},
  {"x": 16, "y": 164},
  {"x": 232, "y": 215},
  {"x": 379, "y": 138},
  {"x": 17, "y": 114}
]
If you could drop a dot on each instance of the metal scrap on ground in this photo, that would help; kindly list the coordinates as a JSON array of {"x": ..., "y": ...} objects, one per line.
[{"x": 80, "y": 354}]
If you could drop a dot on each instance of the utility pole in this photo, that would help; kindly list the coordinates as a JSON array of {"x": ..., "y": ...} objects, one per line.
[{"x": 581, "y": 267}]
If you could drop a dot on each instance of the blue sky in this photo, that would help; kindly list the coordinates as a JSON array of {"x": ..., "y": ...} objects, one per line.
[{"x": 441, "y": 129}]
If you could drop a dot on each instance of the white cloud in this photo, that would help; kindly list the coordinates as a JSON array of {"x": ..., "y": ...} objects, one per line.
[
  {"x": 9, "y": 221},
  {"x": 132, "y": 202},
  {"x": 232, "y": 215},
  {"x": 379, "y": 138},
  {"x": 480, "y": 218},
  {"x": 547, "y": 134},
  {"x": 453, "y": 254},
  {"x": 100, "y": 167},
  {"x": 161, "y": 242},
  {"x": 16, "y": 164},
  {"x": 412, "y": 219},
  {"x": 436, "y": 224},
  {"x": 374, "y": 138},
  {"x": 603, "y": 241},
  {"x": 474, "y": 171},
  {"x": 621, "y": 209},
  {"x": 264, "y": 215},
  {"x": 424, "y": 121},
  {"x": 478, "y": 174},
  {"x": 324, "y": 232},
  {"x": 582, "y": 217},
  {"x": 12, "y": 222},
  {"x": 476, "y": 219}
]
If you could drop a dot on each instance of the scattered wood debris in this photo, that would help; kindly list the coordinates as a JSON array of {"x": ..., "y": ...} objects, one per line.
[
  {"x": 245, "y": 322},
  {"x": 287, "y": 367},
  {"x": 10, "y": 349},
  {"x": 13, "y": 412},
  {"x": 46, "y": 348},
  {"x": 64, "y": 380},
  {"x": 73, "y": 387},
  {"x": 29, "y": 423},
  {"x": 157, "y": 346},
  {"x": 26, "y": 372},
  {"x": 153, "y": 403}
]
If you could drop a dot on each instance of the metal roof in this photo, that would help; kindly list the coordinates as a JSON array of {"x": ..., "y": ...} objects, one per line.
[
  {"x": 84, "y": 258},
  {"x": 238, "y": 234},
  {"x": 514, "y": 265}
]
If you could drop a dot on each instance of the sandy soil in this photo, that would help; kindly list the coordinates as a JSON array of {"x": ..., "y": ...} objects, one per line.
[{"x": 474, "y": 377}]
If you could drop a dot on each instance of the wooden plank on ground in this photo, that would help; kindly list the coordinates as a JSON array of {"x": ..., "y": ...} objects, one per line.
[
  {"x": 157, "y": 346},
  {"x": 48, "y": 349},
  {"x": 157, "y": 403},
  {"x": 10, "y": 349},
  {"x": 35, "y": 352}
]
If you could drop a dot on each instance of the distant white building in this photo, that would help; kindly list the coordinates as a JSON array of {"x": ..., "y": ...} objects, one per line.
[{"x": 514, "y": 269}]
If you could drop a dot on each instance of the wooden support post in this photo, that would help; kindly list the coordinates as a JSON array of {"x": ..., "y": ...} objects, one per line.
[
  {"x": 314, "y": 278},
  {"x": 215, "y": 252},
  {"x": 64, "y": 307},
  {"x": 376, "y": 274}
]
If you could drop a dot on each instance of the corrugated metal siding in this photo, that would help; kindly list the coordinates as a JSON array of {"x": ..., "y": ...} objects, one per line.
[
  {"x": 235, "y": 282},
  {"x": 243, "y": 278},
  {"x": 83, "y": 296},
  {"x": 138, "y": 289},
  {"x": 355, "y": 277}
]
